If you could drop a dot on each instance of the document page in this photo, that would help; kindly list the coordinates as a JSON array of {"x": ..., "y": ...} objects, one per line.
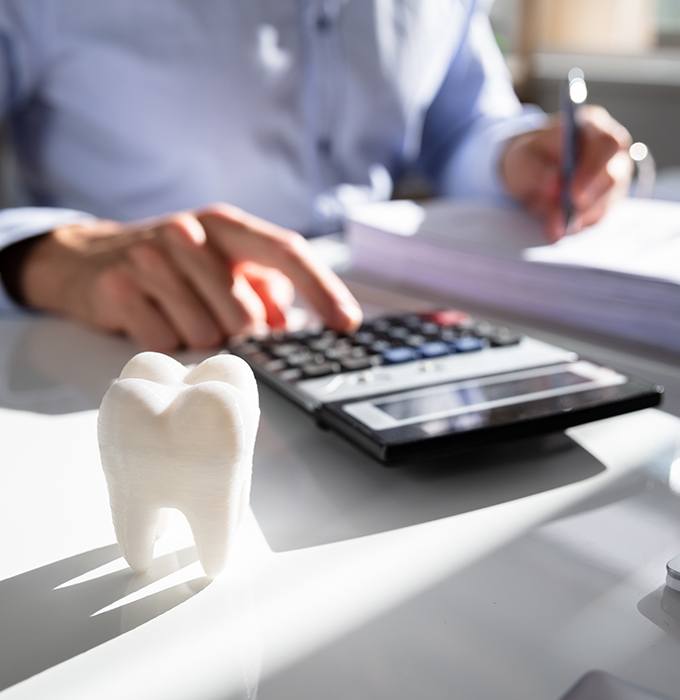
[
  {"x": 639, "y": 237},
  {"x": 621, "y": 276}
]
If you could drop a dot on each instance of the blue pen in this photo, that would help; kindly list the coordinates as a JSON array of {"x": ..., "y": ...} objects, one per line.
[{"x": 573, "y": 94}]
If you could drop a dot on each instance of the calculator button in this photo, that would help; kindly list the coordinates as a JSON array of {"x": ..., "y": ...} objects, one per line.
[
  {"x": 415, "y": 341},
  {"x": 290, "y": 375},
  {"x": 447, "y": 317},
  {"x": 504, "y": 337},
  {"x": 449, "y": 335},
  {"x": 467, "y": 325},
  {"x": 412, "y": 321},
  {"x": 320, "y": 369},
  {"x": 468, "y": 344},
  {"x": 285, "y": 349},
  {"x": 436, "y": 348},
  {"x": 352, "y": 364},
  {"x": 339, "y": 351},
  {"x": 380, "y": 346},
  {"x": 483, "y": 329},
  {"x": 322, "y": 344},
  {"x": 398, "y": 333},
  {"x": 364, "y": 338},
  {"x": 430, "y": 329},
  {"x": 380, "y": 325},
  {"x": 301, "y": 358},
  {"x": 355, "y": 351},
  {"x": 275, "y": 365},
  {"x": 395, "y": 356},
  {"x": 247, "y": 348}
]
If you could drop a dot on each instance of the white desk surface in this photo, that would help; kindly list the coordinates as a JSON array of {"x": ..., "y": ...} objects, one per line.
[{"x": 508, "y": 573}]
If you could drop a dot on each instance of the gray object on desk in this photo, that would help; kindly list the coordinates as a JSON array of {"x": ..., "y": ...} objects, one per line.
[
  {"x": 673, "y": 573},
  {"x": 598, "y": 685}
]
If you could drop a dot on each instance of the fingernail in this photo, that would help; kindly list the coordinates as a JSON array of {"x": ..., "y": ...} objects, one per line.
[
  {"x": 351, "y": 311},
  {"x": 189, "y": 237},
  {"x": 276, "y": 317}
]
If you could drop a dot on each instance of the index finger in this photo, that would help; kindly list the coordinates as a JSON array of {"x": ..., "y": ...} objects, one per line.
[{"x": 242, "y": 237}]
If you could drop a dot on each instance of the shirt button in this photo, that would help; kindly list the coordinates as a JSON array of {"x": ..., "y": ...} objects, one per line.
[
  {"x": 324, "y": 22},
  {"x": 324, "y": 145}
]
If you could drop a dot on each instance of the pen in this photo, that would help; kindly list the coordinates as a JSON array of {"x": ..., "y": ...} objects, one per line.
[{"x": 574, "y": 93}]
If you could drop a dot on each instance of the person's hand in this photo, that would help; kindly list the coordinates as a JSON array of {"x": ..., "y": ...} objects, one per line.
[
  {"x": 188, "y": 279},
  {"x": 530, "y": 168}
]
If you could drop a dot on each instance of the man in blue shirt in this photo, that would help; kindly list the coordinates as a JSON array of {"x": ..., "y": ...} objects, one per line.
[{"x": 173, "y": 155}]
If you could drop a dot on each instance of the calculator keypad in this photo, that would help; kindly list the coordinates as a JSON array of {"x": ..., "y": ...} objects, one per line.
[{"x": 388, "y": 340}]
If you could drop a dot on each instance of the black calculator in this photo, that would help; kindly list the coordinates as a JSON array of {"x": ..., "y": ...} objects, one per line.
[{"x": 406, "y": 386}]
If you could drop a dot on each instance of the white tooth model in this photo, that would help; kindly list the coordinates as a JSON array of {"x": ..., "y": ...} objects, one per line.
[{"x": 172, "y": 437}]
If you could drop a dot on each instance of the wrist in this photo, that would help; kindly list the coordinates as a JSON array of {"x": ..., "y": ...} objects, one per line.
[
  {"x": 13, "y": 261},
  {"x": 504, "y": 165},
  {"x": 44, "y": 277}
]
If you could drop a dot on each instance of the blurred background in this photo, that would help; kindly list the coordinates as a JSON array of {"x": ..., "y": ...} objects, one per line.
[{"x": 629, "y": 51}]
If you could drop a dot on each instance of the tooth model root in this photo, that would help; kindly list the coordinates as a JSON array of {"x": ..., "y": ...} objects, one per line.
[
  {"x": 182, "y": 439},
  {"x": 213, "y": 545},
  {"x": 136, "y": 527}
]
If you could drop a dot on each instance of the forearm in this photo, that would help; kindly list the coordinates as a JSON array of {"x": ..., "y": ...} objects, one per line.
[
  {"x": 473, "y": 170},
  {"x": 473, "y": 116}
]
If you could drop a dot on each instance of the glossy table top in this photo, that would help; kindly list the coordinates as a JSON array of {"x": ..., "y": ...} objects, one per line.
[{"x": 505, "y": 573}]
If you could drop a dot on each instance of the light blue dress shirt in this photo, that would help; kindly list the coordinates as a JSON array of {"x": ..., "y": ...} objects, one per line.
[{"x": 291, "y": 109}]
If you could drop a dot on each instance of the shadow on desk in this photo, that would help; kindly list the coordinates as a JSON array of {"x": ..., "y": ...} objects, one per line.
[
  {"x": 54, "y": 366},
  {"x": 662, "y": 607},
  {"x": 51, "y": 614},
  {"x": 312, "y": 487}
]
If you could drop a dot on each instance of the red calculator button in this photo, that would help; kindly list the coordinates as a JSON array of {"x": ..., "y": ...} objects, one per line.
[{"x": 447, "y": 317}]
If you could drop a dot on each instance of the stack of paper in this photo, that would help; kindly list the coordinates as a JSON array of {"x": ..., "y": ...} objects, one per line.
[{"x": 620, "y": 277}]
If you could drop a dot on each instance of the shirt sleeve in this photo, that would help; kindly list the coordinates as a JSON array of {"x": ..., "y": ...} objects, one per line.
[
  {"x": 21, "y": 24},
  {"x": 472, "y": 116}
]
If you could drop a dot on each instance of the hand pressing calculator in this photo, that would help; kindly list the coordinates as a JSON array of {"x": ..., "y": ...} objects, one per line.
[{"x": 435, "y": 382}]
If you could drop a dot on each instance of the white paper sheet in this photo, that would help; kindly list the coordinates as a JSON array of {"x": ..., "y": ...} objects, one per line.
[{"x": 621, "y": 276}]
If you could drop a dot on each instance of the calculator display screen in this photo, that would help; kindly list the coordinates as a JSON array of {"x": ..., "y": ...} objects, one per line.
[{"x": 451, "y": 397}]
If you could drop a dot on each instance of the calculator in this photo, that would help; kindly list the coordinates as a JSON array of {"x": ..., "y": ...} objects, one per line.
[{"x": 407, "y": 386}]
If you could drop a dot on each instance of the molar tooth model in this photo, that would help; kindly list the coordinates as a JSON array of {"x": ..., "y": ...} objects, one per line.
[{"x": 172, "y": 437}]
